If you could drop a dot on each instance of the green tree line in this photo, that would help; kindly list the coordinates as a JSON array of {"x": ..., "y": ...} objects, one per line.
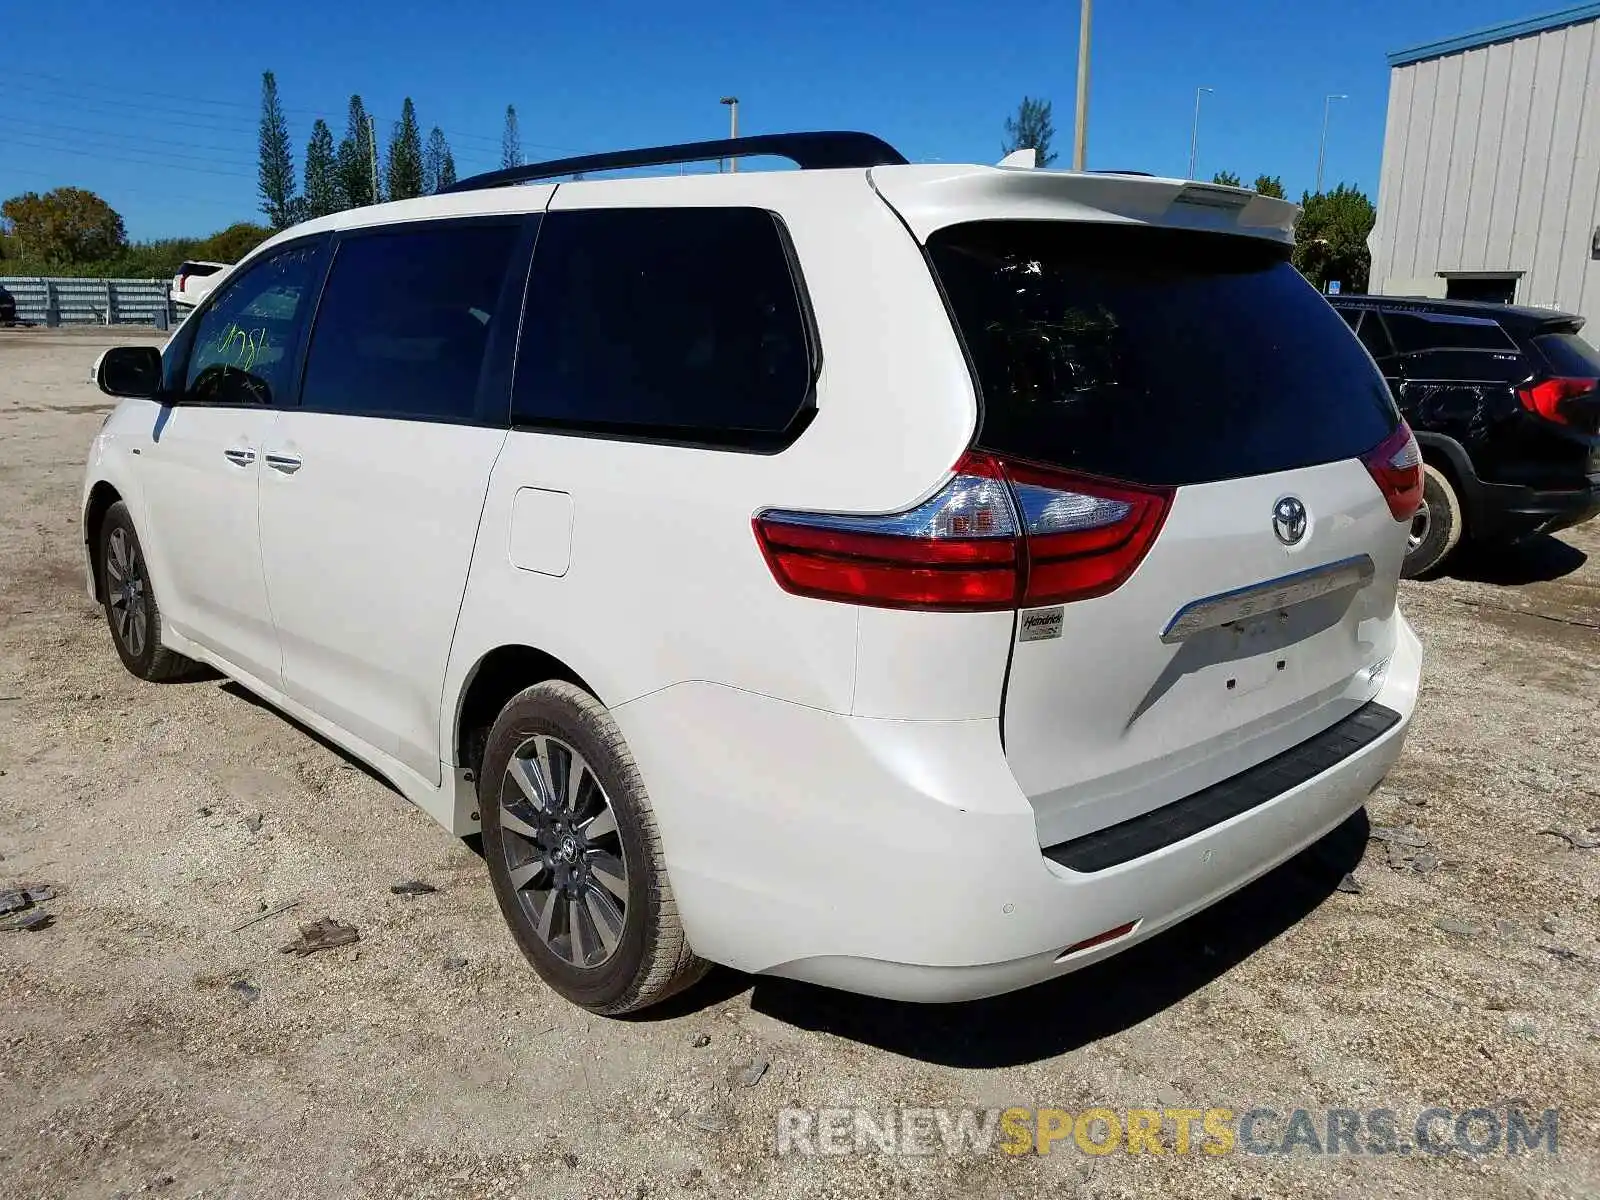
[
  {"x": 1330, "y": 235},
  {"x": 73, "y": 232},
  {"x": 351, "y": 174}
]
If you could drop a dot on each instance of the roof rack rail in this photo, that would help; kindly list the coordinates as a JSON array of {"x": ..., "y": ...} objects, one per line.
[{"x": 808, "y": 151}]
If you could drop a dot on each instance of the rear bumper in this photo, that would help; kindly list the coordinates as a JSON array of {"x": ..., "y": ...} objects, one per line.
[
  {"x": 1506, "y": 512},
  {"x": 900, "y": 859}
]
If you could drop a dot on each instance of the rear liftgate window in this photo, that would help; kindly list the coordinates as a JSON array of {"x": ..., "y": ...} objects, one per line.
[
  {"x": 1155, "y": 356},
  {"x": 1568, "y": 354}
]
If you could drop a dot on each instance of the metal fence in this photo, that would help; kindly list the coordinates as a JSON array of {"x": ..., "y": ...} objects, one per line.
[{"x": 91, "y": 301}]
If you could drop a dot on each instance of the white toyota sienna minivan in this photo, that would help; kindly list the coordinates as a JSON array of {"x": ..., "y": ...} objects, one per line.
[{"x": 921, "y": 580}]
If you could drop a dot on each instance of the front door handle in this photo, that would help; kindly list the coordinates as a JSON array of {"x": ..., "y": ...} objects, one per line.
[
  {"x": 287, "y": 463},
  {"x": 240, "y": 456}
]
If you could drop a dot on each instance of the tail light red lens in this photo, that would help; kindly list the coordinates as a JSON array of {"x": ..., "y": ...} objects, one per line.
[
  {"x": 1549, "y": 399},
  {"x": 1396, "y": 467},
  {"x": 999, "y": 535},
  {"x": 1083, "y": 537}
]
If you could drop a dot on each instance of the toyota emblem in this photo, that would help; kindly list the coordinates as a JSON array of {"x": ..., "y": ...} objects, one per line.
[{"x": 1289, "y": 520}]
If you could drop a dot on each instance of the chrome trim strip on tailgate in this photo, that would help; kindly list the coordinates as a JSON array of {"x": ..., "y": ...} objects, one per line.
[{"x": 1212, "y": 612}]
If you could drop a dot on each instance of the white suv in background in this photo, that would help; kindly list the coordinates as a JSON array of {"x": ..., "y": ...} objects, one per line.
[
  {"x": 921, "y": 580},
  {"x": 194, "y": 282}
]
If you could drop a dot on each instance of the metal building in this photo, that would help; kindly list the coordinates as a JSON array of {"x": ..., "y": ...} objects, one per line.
[{"x": 1490, "y": 188}]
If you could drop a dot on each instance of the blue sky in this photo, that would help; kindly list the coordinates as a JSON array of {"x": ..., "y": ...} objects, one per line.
[{"x": 154, "y": 105}]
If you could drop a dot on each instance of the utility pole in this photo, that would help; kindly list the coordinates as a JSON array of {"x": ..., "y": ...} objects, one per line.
[
  {"x": 1080, "y": 132},
  {"x": 1322, "y": 149},
  {"x": 1194, "y": 134},
  {"x": 372, "y": 144},
  {"x": 733, "y": 126}
]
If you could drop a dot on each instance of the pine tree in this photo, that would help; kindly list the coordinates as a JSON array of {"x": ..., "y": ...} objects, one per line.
[
  {"x": 322, "y": 189},
  {"x": 511, "y": 140},
  {"x": 355, "y": 159},
  {"x": 1270, "y": 185},
  {"x": 403, "y": 173},
  {"x": 1031, "y": 129},
  {"x": 275, "y": 172},
  {"x": 436, "y": 158},
  {"x": 1226, "y": 179}
]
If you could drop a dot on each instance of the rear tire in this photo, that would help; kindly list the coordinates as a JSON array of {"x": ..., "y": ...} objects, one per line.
[
  {"x": 1436, "y": 529},
  {"x": 129, "y": 598},
  {"x": 577, "y": 863}
]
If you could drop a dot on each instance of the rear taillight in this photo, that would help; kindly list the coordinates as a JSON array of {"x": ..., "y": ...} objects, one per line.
[
  {"x": 1396, "y": 467},
  {"x": 183, "y": 280},
  {"x": 998, "y": 535},
  {"x": 1083, "y": 537},
  {"x": 1549, "y": 398}
]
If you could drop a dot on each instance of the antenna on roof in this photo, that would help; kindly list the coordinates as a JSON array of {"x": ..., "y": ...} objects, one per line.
[{"x": 1027, "y": 157}]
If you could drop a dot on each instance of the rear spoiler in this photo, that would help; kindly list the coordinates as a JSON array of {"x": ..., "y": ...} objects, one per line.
[
  {"x": 1560, "y": 322},
  {"x": 930, "y": 197}
]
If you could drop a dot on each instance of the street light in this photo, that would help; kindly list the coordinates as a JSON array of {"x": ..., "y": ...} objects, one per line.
[
  {"x": 1322, "y": 150},
  {"x": 1194, "y": 134},
  {"x": 733, "y": 126},
  {"x": 1080, "y": 130}
]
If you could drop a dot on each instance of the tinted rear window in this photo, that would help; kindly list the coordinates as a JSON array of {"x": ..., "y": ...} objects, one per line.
[
  {"x": 1155, "y": 356},
  {"x": 1569, "y": 354},
  {"x": 679, "y": 325},
  {"x": 1447, "y": 331},
  {"x": 198, "y": 270}
]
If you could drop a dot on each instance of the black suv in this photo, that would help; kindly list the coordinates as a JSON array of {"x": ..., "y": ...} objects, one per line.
[{"x": 1505, "y": 403}]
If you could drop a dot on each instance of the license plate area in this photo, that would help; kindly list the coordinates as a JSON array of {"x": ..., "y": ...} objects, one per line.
[
  {"x": 1252, "y": 608},
  {"x": 1259, "y": 655}
]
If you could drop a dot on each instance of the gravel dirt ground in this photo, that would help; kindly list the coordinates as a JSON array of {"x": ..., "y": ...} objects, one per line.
[{"x": 150, "y": 1047}]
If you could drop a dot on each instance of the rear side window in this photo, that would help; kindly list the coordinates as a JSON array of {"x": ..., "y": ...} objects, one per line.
[
  {"x": 403, "y": 326},
  {"x": 1569, "y": 354},
  {"x": 1446, "y": 331},
  {"x": 1155, "y": 356},
  {"x": 681, "y": 324}
]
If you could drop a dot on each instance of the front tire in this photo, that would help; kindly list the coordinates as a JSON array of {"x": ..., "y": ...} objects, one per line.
[
  {"x": 1437, "y": 527},
  {"x": 132, "y": 612},
  {"x": 575, "y": 856}
]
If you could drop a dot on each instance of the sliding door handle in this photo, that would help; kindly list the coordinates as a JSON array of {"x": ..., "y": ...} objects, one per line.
[
  {"x": 288, "y": 464},
  {"x": 240, "y": 456}
]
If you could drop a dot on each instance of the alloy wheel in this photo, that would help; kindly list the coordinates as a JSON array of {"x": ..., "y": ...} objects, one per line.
[
  {"x": 563, "y": 852},
  {"x": 126, "y": 584},
  {"x": 1421, "y": 523}
]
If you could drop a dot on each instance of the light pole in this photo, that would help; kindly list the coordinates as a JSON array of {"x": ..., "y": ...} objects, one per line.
[
  {"x": 372, "y": 146},
  {"x": 733, "y": 126},
  {"x": 1194, "y": 134},
  {"x": 1080, "y": 130},
  {"x": 1322, "y": 149}
]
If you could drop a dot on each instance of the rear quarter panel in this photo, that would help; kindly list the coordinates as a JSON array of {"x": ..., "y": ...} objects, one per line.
[{"x": 664, "y": 581}]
